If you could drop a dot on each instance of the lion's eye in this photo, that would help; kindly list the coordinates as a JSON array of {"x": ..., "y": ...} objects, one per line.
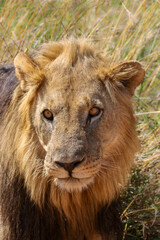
[
  {"x": 93, "y": 112},
  {"x": 48, "y": 114}
]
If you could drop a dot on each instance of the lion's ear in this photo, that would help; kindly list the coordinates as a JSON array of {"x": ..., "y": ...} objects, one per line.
[
  {"x": 129, "y": 73},
  {"x": 27, "y": 71}
]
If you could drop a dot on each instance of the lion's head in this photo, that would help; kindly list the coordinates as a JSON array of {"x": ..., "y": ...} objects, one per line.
[{"x": 74, "y": 130}]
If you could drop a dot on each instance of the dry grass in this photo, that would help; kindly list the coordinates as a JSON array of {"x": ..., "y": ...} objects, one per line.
[{"x": 124, "y": 30}]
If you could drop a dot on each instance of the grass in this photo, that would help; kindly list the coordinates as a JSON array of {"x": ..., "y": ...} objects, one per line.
[{"x": 123, "y": 30}]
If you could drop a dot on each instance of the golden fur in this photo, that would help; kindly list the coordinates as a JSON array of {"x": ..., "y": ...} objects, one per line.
[{"x": 69, "y": 78}]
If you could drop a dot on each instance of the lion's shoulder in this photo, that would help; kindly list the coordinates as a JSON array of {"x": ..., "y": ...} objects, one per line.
[{"x": 8, "y": 83}]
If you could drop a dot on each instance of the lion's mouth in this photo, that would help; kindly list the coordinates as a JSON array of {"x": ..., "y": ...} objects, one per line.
[{"x": 73, "y": 184}]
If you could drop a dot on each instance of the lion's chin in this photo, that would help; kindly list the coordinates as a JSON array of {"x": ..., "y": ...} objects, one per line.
[{"x": 73, "y": 184}]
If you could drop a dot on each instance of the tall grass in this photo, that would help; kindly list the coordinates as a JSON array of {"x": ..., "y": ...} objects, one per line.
[{"x": 123, "y": 30}]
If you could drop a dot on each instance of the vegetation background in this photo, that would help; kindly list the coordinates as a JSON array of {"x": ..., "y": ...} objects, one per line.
[{"x": 123, "y": 30}]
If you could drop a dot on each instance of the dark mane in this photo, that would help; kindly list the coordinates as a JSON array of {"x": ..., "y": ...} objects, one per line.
[
  {"x": 48, "y": 224},
  {"x": 8, "y": 83}
]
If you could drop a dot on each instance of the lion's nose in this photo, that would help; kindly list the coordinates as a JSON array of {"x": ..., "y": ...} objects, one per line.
[{"x": 69, "y": 166}]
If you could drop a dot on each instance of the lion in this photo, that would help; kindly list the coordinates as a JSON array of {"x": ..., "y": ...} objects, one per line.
[{"x": 67, "y": 143}]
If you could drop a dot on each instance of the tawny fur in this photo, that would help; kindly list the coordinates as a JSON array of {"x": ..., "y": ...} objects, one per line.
[{"x": 32, "y": 205}]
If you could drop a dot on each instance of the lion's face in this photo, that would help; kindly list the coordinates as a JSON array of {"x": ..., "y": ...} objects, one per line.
[
  {"x": 71, "y": 118},
  {"x": 81, "y": 114}
]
